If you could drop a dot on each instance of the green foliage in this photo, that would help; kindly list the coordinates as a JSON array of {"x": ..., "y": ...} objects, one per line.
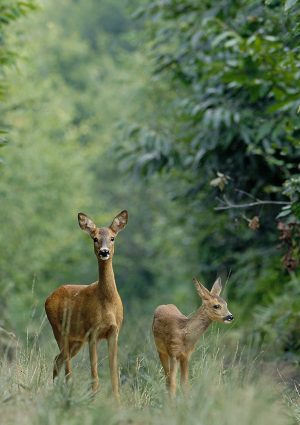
[
  {"x": 289, "y": 4},
  {"x": 278, "y": 322},
  {"x": 233, "y": 133},
  {"x": 206, "y": 124},
  {"x": 235, "y": 68},
  {"x": 292, "y": 190},
  {"x": 218, "y": 112},
  {"x": 63, "y": 123},
  {"x": 9, "y": 12}
]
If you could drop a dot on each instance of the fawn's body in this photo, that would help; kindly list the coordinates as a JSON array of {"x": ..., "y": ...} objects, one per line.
[
  {"x": 88, "y": 313},
  {"x": 176, "y": 335}
]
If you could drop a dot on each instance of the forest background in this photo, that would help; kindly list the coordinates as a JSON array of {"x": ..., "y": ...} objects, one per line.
[{"x": 185, "y": 113}]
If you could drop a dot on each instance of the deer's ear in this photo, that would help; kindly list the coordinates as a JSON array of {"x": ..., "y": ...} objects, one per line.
[
  {"x": 202, "y": 291},
  {"x": 217, "y": 287},
  {"x": 119, "y": 222},
  {"x": 86, "y": 223}
]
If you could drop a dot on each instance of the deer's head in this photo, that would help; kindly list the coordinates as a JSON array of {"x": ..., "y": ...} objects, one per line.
[
  {"x": 103, "y": 237},
  {"x": 215, "y": 306}
]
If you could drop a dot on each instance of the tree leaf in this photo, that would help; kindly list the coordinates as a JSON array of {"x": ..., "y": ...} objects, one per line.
[{"x": 289, "y": 4}]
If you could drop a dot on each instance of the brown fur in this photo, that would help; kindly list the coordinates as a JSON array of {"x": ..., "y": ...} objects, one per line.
[
  {"x": 88, "y": 313},
  {"x": 176, "y": 335}
]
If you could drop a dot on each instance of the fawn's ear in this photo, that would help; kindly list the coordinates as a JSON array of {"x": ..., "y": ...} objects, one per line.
[
  {"x": 217, "y": 287},
  {"x": 86, "y": 223},
  {"x": 202, "y": 291},
  {"x": 119, "y": 222}
]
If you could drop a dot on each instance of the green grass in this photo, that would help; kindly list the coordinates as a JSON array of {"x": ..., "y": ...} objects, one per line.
[{"x": 228, "y": 387}]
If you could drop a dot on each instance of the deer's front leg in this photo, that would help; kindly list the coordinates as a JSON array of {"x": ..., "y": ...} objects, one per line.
[
  {"x": 112, "y": 341},
  {"x": 94, "y": 363}
]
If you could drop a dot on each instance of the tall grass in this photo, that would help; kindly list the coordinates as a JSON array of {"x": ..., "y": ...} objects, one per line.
[{"x": 228, "y": 387}]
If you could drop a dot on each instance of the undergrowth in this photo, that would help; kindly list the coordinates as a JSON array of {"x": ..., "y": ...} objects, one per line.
[{"x": 228, "y": 386}]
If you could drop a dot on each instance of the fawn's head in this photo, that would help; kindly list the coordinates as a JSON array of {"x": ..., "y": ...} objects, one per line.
[
  {"x": 215, "y": 306},
  {"x": 103, "y": 237}
]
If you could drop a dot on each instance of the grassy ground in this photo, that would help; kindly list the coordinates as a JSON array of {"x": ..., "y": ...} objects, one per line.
[{"x": 228, "y": 387}]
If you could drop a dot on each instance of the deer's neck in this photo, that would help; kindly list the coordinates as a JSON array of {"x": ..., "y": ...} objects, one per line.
[
  {"x": 197, "y": 325},
  {"x": 106, "y": 284}
]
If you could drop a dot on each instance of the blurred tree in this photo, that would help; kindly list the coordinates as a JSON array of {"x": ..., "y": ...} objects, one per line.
[
  {"x": 234, "y": 66},
  {"x": 67, "y": 96},
  {"x": 9, "y": 12},
  {"x": 233, "y": 140},
  {"x": 210, "y": 119}
]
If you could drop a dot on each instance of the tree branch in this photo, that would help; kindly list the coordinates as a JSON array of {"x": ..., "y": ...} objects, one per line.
[{"x": 250, "y": 204}]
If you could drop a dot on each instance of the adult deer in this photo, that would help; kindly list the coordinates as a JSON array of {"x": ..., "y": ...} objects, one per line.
[
  {"x": 88, "y": 313},
  {"x": 176, "y": 335}
]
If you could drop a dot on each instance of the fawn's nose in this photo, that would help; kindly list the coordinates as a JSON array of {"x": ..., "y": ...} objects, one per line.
[
  {"x": 104, "y": 252},
  {"x": 229, "y": 318}
]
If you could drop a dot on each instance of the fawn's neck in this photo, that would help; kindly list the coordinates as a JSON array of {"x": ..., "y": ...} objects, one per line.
[
  {"x": 197, "y": 325},
  {"x": 106, "y": 284}
]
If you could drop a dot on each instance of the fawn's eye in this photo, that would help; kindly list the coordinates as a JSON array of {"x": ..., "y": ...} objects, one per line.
[
  {"x": 112, "y": 238},
  {"x": 96, "y": 240},
  {"x": 217, "y": 306}
]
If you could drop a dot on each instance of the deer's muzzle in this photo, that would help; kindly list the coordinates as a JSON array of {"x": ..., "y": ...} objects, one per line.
[
  {"x": 104, "y": 253},
  {"x": 229, "y": 318}
]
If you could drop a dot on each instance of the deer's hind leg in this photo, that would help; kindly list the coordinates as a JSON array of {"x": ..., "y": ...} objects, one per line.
[
  {"x": 67, "y": 351},
  {"x": 74, "y": 347},
  {"x": 62, "y": 357},
  {"x": 59, "y": 360},
  {"x": 173, "y": 375},
  {"x": 184, "y": 373},
  {"x": 165, "y": 361}
]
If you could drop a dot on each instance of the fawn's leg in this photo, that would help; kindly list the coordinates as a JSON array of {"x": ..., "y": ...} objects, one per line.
[
  {"x": 173, "y": 375},
  {"x": 164, "y": 358},
  {"x": 184, "y": 373},
  {"x": 112, "y": 342},
  {"x": 94, "y": 363}
]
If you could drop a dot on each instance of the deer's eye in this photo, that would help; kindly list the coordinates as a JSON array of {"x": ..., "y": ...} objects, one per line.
[
  {"x": 112, "y": 238},
  {"x": 217, "y": 306},
  {"x": 96, "y": 240}
]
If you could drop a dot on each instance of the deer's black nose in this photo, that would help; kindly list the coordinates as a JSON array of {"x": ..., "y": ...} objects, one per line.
[
  {"x": 104, "y": 252},
  {"x": 229, "y": 317}
]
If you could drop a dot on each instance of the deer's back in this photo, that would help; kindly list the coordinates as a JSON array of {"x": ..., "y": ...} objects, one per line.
[
  {"x": 169, "y": 327},
  {"x": 78, "y": 309}
]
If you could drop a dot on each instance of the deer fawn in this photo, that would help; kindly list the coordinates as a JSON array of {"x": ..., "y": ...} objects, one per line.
[
  {"x": 175, "y": 334},
  {"x": 80, "y": 313}
]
